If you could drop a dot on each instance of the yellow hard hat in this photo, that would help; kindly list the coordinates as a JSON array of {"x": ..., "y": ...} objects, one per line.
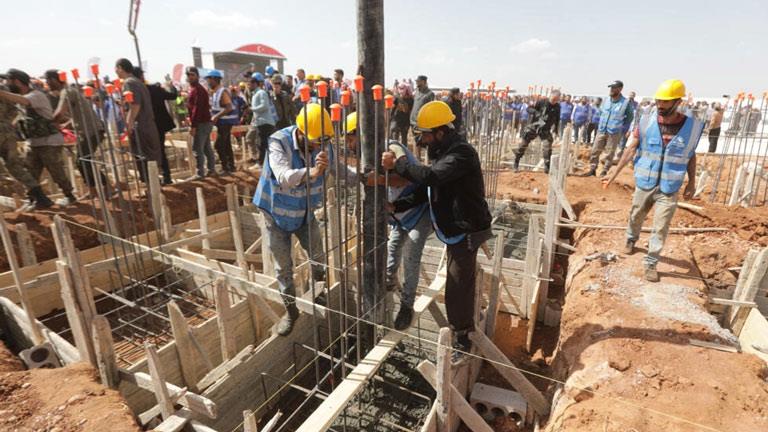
[
  {"x": 670, "y": 89},
  {"x": 315, "y": 117},
  {"x": 434, "y": 114},
  {"x": 352, "y": 122}
]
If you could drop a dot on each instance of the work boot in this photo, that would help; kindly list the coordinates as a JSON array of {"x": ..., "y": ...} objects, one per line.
[
  {"x": 546, "y": 167},
  {"x": 592, "y": 172},
  {"x": 651, "y": 275},
  {"x": 461, "y": 346},
  {"x": 39, "y": 199},
  {"x": 67, "y": 200},
  {"x": 629, "y": 247},
  {"x": 285, "y": 326},
  {"x": 404, "y": 318},
  {"x": 604, "y": 172}
]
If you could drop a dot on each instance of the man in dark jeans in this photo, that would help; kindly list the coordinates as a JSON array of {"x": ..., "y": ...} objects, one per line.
[
  {"x": 544, "y": 118},
  {"x": 163, "y": 120},
  {"x": 286, "y": 110},
  {"x": 224, "y": 116},
  {"x": 453, "y": 186},
  {"x": 401, "y": 114},
  {"x": 200, "y": 124}
]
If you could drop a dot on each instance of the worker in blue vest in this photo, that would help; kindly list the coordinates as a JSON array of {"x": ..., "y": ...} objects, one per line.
[
  {"x": 408, "y": 233},
  {"x": 224, "y": 114},
  {"x": 663, "y": 147},
  {"x": 615, "y": 117},
  {"x": 594, "y": 119},
  {"x": 566, "y": 111},
  {"x": 282, "y": 197},
  {"x": 580, "y": 118},
  {"x": 454, "y": 189}
]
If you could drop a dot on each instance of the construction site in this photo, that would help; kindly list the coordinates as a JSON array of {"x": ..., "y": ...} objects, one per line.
[{"x": 155, "y": 307}]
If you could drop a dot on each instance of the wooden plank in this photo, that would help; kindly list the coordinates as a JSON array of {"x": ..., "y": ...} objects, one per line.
[
  {"x": 468, "y": 415},
  {"x": 437, "y": 314},
  {"x": 729, "y": 302},
  {"x": 224, "y": 312},
  {"x": 234, "y": 220},
  {"x": 249, "y": 422},
  {"x": 510, "y": 372},
  {"x": 179, "y": 420},
  {"x": 158, "y": 381},
  {"x": 10, "y": 254},
  {"x": 322, "y": 418},
  {"x": 26, "y": 246},
  {"x": 155, "y": 202},
  {"x": 68, "y": 253},
  {"x": 202, "y": 215},
  {"x": 443, "y": 380},
  {"x": 192, "y": 401},
  {"x": 564, "y": 202},
  {"x": 430, "y": 423},
  {"x": 77, "y": 323},
  {"x": 495, "y": 290},
  {"x": 190, "y": 367},
  {"x": 712, "y": 345},
  {"x": 223, "y": 369},
  {"x": 105, "y": 352},
  {"x": 221, "y": 254},
  {"x": 756, "y": 280},
  {"x": 754, "y": 335}
]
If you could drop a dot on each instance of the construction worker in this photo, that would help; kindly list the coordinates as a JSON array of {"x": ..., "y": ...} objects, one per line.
[
  {"x": 282, "y": 197},
  {"x": 615, "y": 116},
  {"x": 224, "y": 115},
  {"x": 9, "y": 152},
  {"x": 46, "y": 143},
  {"x": 544, "y": 118},
  {"x": 454, "y": 189},
  {"x": 408, "y": 233},
  {"x": 594, "y": 119},
  {"x": 633, "y": 105},
  {"x": 566, "y": 111},
  {"x": 200, "y": 124},
  {"x": 263, "y": 120},
  {"x": 580, "y": 118},
  {"x": 421, "y": 97},
  {"x": 665, "y": 142}
]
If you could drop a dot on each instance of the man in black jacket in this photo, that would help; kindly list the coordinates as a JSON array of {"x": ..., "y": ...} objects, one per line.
[
  {"x": 163, "y": 120},
  {"x": 453, "y": 186},
  {"x": 543, "y": 118}
]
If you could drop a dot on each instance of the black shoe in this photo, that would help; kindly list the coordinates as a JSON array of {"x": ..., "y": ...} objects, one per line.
[
  {"x": 516, "y": 166},
  {"x": 404, "y": 318},
  {"x": 285, "y": 326},
  {"x": 458, "y": 356},
  {"x": 39, "y": 199}
]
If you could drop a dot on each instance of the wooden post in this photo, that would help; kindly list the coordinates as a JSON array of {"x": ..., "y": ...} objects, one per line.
[
  {"x": 755, "y": 280},
  {"x": 190, "y": 367},
  {"x": 70, "y": 255},
  {"x": 105, "y": 352},
  {"x": 234, "y": 220},
  {"x": 26, "y": 246},
  {"x": 495, "y": 292},
  {"x": 510, "y": 373},
  {"x": 156, "y": 203},
  {"x": 443, "y": 380},
  {"x": 249, "y": 420},
  {"x": 550, "y": 232},
  {"x": 531, "y": 269},
  {"x": 268, "y": 266},
  {"x": 77, "y": 322},
  {"x": 158, "y": 381},
  {"x": 226, "y": 325},
  {"x": 37, "y": 334},
  {"x": 202, "y": 215}
]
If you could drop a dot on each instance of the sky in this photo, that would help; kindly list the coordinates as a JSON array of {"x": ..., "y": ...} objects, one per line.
[{"x": 715, "y": 47}]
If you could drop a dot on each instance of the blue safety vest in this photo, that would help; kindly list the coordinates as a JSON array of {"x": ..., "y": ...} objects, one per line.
[
  {"x": 524, "y": 111},
  {"x": 595, "y": 117},
  {"x": 409, "y": 218},
  {"x": 665, "y": 166},
  {"x": 613, "y": 115},
  {"x": 580, "y": 114},
  {"x": 440, "y": 235},
  {"x": 233, "y": 117},
  {"x": 286, "y": 205},
  {"x": 566, "y": 108}
]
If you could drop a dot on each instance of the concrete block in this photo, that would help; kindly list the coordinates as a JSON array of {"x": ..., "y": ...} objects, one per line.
[
  {"x": 491, "y": 402},
  {"x": 40, "y": 356}
]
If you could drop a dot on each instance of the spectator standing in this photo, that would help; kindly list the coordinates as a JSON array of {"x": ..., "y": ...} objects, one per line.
[
  {"x": 163, "y": 121},
  {"x": 263, "y": 122},
  {"x": 224, "y": 115},
  {"x": 580, "y": 118},
  {"x": 714, "y": 126},
  {"x": 401, "y": 113},
  {"x": 285, "y": 114},
  {"x": 421, "y": 96},
  {"x": 615, "y": 118},
  {"x": 200, "y": 124},
  {"x": 566, "y": 111},
  {"x": 594, "y": 120}
]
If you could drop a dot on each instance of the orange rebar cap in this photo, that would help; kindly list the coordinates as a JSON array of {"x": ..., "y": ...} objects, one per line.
[
  {"x": 110, "y": 88},
  {"x": 75, "y": 74},
  {"x": 128, "y": 96},
  {"x": 62, "y": 76},
  {"x": 359, "y": 83},
  {"x": 322, "y": 89},
  {"x": 118, "y": 84},
  {"x": 88, "y": 91},
  {"x": 378, "y": 92},
  {"x": 345, "y": 97},
  {"x": 389, "y": 101},
  {"x": 335, "y": 112},
  {"x": 304, "y": 92},
  {"x": 95, "y": 69}
]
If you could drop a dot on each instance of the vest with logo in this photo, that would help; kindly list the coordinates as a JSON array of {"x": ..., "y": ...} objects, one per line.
[
  {"x": 288, "y": 205},
  {"x": 665, "y": 166},
  {"x": 409, "y": 218},
  {"x": 613, "y": 115},
  {"x": 233, "y": 117}
]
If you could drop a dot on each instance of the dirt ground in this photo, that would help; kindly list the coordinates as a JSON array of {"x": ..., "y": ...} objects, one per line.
[
  {"x": 68, "y": 399},
  {"x": 180, "y": 198},
  {"x": 8, "y": 360},
  {"x": 624, "y": 343}
]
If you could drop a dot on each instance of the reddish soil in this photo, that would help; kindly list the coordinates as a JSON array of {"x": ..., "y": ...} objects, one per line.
[
  {"x": 624, "y": 343},
  {"x": 180, "y": 198},
  {"x": 68, "y": 399},
  {"x": 8, "y": 360}
]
